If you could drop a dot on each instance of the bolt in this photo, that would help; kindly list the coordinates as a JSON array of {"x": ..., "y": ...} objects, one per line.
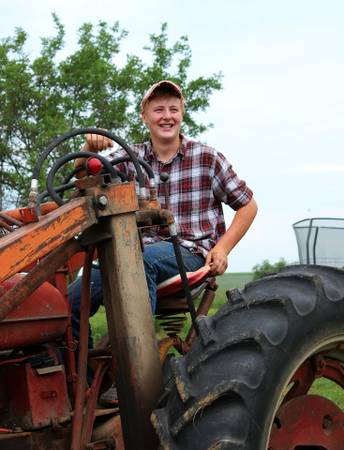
[
  {"x": 102, "y": 201},
  {"x": 327, "y": 424}
]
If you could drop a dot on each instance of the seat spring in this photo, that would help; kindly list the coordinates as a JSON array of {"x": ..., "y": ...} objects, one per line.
[{"x": 172, "y": 324}]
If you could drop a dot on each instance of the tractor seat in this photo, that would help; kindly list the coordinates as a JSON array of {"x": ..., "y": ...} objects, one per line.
[{"x": 170, "y": 293}]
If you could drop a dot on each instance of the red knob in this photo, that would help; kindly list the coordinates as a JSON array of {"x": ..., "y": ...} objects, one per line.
[{"x": 94, "y": 166}]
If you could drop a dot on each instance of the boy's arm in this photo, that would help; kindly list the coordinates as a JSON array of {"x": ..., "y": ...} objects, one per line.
[{"x": 218, "y": 255}]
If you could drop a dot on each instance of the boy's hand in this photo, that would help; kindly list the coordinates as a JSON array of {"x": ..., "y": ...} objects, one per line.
[
  {"x": 96, "y": 143},
  {"x": 218, "y": 261}
]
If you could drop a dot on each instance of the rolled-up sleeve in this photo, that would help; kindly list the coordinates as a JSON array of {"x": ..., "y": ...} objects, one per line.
[{"x": 227, "y": 186}]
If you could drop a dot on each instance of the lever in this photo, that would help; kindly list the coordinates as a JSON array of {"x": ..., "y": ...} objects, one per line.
[{"x": 165, "y": 177}]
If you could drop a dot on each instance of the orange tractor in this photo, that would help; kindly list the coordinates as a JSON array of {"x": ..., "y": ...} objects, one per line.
[{"x": 240, "y": 380}]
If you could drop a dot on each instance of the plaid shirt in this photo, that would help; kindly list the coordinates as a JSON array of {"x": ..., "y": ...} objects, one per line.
[{"x": 201, "y": 179}]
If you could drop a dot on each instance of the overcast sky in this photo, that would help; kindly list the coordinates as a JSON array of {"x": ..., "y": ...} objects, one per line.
[{"x": 279, "y": 118}]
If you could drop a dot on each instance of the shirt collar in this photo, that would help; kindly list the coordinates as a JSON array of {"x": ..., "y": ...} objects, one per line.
[{"x": 150, "y": 155}]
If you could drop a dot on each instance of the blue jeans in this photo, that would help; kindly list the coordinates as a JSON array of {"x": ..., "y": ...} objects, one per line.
[{"x": 159, "y": 263}]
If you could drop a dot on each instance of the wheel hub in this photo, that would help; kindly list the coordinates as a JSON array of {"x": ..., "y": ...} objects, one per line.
[{"x": 308, "y": 421}]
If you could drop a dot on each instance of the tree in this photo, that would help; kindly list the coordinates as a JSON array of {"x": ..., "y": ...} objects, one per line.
[
  {"x": 47, "y": 96},
  {"x": 266, "y": 268}
]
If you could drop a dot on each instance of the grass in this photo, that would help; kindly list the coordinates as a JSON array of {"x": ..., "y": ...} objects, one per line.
[
  {"x": 98, "y": 324},
  {"x": 330, "y": 390},
  {"x": 227, "y": 281}
]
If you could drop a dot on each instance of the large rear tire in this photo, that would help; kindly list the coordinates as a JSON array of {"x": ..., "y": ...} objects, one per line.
[{"x": 227, "y": 390}]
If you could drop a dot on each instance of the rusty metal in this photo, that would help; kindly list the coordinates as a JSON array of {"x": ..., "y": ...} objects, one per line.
[
  {"x": 79, "y": 403},
  {"x": 301, "y": 382},
  {"x": 166, "y": 344},
  {"x": 54, "y": 439},
  {"x": 148, "y": 217},
  {"x": 88, "y": 182},
  {"x": 72, "y": 376},
  {"x": 42, "y": 271},
  {"x": 172, "y": 323},
  {"x": 131, "y": 331},
  {"x": 27, "y": 215},
  {"x": 30, "y": 243},
  {"x": 308, "y": 421},
  {"x": 315, "y": 367},
  {"x": 41, "y": 317},
  {"x": 61, "y": 283},
  {"x": 120, "y": 198},
  {"x": 106, "y": 215},
  {"x": 96, "y": 352},
  {"x": 4, "y": 225},
  {"x": 151, "y": 203},
  {"x": 37, "y": 399},
  {"x": 102, "y": 367},
  {"x": 112, "y": 427},
  {"x": 202, "y": 310},
  {"x": 329, "y": 368},
  {"x": 153, "y": 197},
  {"x": 10, "y": 220},
  {"x": 74, "y": 263},
  {"x": 26, "y": 245}
]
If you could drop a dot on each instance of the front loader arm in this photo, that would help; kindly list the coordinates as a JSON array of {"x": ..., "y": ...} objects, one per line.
[{"x": 33, "y": 241}]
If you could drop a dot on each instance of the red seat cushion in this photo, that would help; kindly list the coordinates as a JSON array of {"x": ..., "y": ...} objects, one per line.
[{"x": 174, "y": 284}]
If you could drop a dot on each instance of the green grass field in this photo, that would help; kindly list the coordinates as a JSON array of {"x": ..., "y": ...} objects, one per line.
[{"x": 227, "y": 281}]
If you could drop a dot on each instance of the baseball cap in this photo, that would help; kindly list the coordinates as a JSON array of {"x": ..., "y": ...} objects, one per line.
[{"x": 167, "y": 85}]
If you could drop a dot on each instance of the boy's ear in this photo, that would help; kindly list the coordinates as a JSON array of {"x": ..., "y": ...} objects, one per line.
[{"x": 143, "y": 117}]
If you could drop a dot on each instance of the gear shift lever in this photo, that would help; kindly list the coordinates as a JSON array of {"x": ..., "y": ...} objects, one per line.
[{"x": 165, "y": 177}]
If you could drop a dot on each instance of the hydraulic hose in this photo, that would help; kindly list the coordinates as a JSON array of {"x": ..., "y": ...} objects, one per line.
[
  {"x": 63, "y": 160},
  {"x": 63, "y": 187},
  {"x": 184, "y": 278},
  {"x": 114, "y": 162},
  {"x": 67, "y": 184},
  {"x": 81, "y": 131},
  {"x": 142, "y": 162}
]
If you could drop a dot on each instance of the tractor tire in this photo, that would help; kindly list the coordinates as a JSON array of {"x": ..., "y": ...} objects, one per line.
[{"x": 226, "y": 391}]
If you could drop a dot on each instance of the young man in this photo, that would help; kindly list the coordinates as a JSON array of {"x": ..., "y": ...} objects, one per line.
[{"x": 200, "y": 180}]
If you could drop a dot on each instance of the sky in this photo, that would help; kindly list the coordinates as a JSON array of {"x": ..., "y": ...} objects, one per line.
[{"x": 279, "y": 117}]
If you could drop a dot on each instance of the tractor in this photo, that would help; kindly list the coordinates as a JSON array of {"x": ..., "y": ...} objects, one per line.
[{"x": 241, "y": 379}]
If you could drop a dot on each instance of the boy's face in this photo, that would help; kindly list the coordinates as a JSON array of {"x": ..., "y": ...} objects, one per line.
[{"x": 163, "y": 116}]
